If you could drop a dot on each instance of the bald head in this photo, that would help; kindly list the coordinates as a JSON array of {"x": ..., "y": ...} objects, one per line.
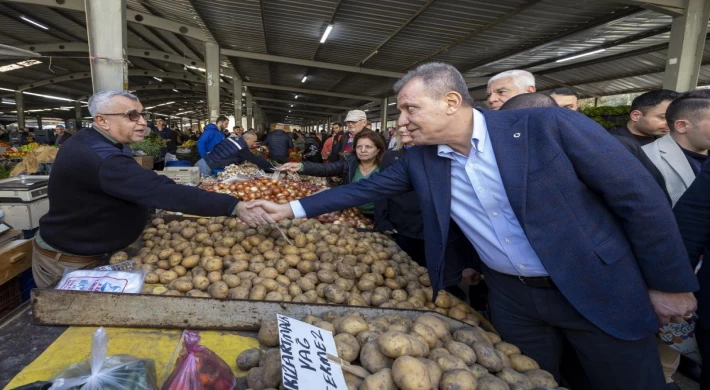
[{"x": 528, "y": 100}]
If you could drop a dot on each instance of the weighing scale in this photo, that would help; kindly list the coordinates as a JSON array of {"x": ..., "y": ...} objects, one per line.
[{"x": 24, "y": 200}]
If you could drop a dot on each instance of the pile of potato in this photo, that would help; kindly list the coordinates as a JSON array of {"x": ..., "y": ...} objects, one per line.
[
  {"x": 400, "y": 353},
  {"x": 325, "y": 263}
]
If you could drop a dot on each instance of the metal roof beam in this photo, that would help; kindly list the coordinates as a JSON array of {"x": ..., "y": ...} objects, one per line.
[
  {"x": 309, "y": 63},
  {"x": 132, "y": 72},
  {"x": 141, "y": 53},
  {"x": 295, "y": 110},
  {"x": 163, "y": 86},
  {"x": 296, "y": 116},
  {"x": 131, "y": 16},
  {"x": 565, "y": 34},
  {"x": 55, "y": 80},
  {"x": 311, "y": 91},
  {"x": 301, "y": 103},
  {"x": 667, "y": 7}
]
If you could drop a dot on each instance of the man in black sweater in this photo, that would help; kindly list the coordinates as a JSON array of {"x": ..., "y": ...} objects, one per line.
[
  {"x": 232, "y": 150},
  {"x": 100, "y": 198}
]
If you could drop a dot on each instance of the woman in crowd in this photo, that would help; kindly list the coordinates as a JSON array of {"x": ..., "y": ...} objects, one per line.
[
  {"x": 369, "y": 150},
  {"x": 401, "y": 215}
]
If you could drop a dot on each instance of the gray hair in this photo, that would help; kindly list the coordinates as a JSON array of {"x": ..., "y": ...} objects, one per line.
[
  {"x": 439, "y": 78},
  {"x": 521, "y": 78},
  {"x": 62, "y": 126},
  {"x": 99, "y": 100},
  {"x": 249, "y": 133}
]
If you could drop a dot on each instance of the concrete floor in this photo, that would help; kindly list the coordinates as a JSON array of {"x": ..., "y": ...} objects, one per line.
[{"x": 685, "y": 383}]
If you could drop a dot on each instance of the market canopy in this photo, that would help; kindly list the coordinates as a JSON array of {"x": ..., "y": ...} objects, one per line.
[{"x": 593, "y": 47}]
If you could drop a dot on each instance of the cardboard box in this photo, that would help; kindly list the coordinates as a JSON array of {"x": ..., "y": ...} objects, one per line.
[
  {"x": 144, "y": 161},
  {"x": 182, "y": 175}
]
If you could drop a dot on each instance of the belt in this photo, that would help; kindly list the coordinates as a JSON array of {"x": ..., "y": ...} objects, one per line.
[
  {"x": 532, "y": 281},
  {"x": 64, "y": 257}
]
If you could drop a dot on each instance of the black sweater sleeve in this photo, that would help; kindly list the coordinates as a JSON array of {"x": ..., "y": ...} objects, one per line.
[
  {"x": 121, "y": 177},
  {"x": 324, "y": 170}
]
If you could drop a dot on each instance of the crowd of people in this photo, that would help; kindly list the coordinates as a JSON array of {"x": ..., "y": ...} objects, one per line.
[{"x": 587, "y": 240}]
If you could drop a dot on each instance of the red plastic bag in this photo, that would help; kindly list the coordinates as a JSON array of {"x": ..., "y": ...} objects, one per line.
[{"x": 198, "y": 368}]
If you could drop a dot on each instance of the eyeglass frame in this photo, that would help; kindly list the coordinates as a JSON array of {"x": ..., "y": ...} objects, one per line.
[{"x": 144, "y": 114}]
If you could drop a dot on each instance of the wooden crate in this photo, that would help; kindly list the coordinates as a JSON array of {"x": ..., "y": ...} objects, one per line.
[
  {"x": 144, "y": 161},
  {"x": 15, "y": 258}
]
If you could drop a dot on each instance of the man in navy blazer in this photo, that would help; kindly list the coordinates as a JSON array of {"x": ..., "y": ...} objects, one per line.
[{"x": 576, "y": 240}]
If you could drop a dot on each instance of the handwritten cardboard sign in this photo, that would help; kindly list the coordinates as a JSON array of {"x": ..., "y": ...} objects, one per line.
[{"x": 304, "y": 357}]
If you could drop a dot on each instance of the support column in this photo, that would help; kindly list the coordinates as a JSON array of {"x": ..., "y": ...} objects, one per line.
[
  {"x": 106, "y": 29},
  {"x": 250, "y": 112},
  {"x": 191, "y": 129},
  {"x": 20, "y": 106},
  {"x": 212, "y": 79},
  {"x": 39, "y": 121},
  {"x": 77, "y": 115},
  {"x": 257, "y": 117},
  {"x": 383, "y": 113},
  {"x": 237, "y": 88},
  {"x": 685, "y": 49}
]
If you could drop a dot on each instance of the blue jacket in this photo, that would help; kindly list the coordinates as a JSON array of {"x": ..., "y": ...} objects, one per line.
[
  {"x": 233, "y": 150},
  {"x": 595, "y": 217},
  {"x": 209, "y": 138}
]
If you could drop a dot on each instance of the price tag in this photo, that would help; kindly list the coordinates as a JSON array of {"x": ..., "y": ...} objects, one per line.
[{"x": 304, "y": 357}]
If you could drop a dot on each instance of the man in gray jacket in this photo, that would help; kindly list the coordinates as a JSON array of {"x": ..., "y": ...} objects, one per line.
[{"x": 680, "y": 155}]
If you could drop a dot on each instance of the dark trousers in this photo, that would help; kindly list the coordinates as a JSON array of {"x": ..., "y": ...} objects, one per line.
[
  {"x": 703, "y": 338},
  {"x": 538, "y": 320},
  {"x": 413, "y": 246},
  {"x": 279, "y": 159}
]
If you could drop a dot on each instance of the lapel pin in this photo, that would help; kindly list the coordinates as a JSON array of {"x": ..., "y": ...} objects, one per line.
[{"x": 516, "y": 135}]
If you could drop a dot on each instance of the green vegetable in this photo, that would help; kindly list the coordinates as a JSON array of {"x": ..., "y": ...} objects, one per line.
[{"x": 151, "y": 145}]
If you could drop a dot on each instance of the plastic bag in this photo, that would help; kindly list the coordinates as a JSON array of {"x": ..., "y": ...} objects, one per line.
[
  {"x": 102, "y": 281},
  {"x": 198, "y": 368},
  {"x": 101, "y": 372},
  {"x": 170, "y": 157}
]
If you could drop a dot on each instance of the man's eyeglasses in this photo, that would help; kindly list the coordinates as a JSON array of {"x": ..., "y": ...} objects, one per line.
[{"x": 133, "y": 115}]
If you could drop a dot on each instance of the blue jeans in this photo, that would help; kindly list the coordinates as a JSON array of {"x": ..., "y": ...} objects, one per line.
[{"x": 205, "y": 169}]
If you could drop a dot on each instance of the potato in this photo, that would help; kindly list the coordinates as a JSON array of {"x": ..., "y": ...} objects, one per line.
[
  {"x": 199, "y": 271},
  {"x": 462, "y": 351},
  {"x": 433, "y": 372},
  {"x": 487, "y": 357},
  {"x": 541, "y": 378},
  {"x": 426, "y": 333},
  {"x": 478, "y": 370},
  {"x": 168, "y": 276},
  {"x": 269, "y": 273},
  {"x": 269, "y": 333},
  {"x": 183, "y": 285},
  {"x": 352, "y": 325},
  {"x": 147, "y": 289},
  {"x": 292, "y": 274},
  {"x": 118, "y": 257},
  {"x": 508, "y": 349},
  {"x": 188, "y": 233},
  {"x": 239, "y": 292},
  {"x": 325, "y": 325},
  {"x": 197, "y": 293},
  {"x": 231, "y": 280},
  {"x": 381, "y": 380},
  {"x": 347, "y": 346},
  {"x": 490, "y": 382},
  {"x": 334, "y": 294},
  {"x": 151, "y": 278},
  {"x": 521, "y": 363},
  {"x": 515, "y": 378},
  {"x": 494, "y": 338},
  {"x": 257, "y": 378},
  {"x": 165, "y": 253},
  {"x": 175, "y": 259},
  {"x": 200, "y": 282},
  {"x": 420, "y": 348},
  {"x": 159, "y": 290},
  {"x": 212, "y": 264},
  {"x": 368, "y": 335},
  {"x": 173, "y": 293},
  {"x": 372, "y": 359},
  {"x": 237, "y": 266},
  {"x": 504, "y": 358},
  {"x": 395, "y": 344},
  {"x": 440, "y": 328},
  {"x": 190, "y": 261},
  {"x": 218, "y": 289},
  {"x": 257, "y": 293},
  {"x": 221, "y": 251},
  {"x": 248, "y": 359},
  {"x": 214, "y": 276},
  {"x": 163, "y": 264},
  {"x": 180, "y": 270},
  {"x": 460, "y": 379},
  {"x": 274, "y": 296},
  {"x": 326, "y": 276},
  {"x": 410, "y": 373},
  {"x": 449, "y": 362}
]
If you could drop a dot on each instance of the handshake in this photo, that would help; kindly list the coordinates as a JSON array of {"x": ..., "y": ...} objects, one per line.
[{"x": 262, "y": 212}]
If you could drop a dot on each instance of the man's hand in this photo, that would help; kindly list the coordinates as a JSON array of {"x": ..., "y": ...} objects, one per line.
[
  {"x": 253, "y": 216},
  {"x": 672, "y": 307},
  {"x": 275, "y": 211},
  {"x": 291, "y": 167}
]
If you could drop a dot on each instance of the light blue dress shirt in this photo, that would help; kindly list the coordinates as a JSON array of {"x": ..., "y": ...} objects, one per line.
[{"x": 480, "y": 206}]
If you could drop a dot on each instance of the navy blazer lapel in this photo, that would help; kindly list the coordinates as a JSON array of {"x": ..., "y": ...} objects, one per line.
[
  {"x": 510, "y": 144},
  {"x": 438, "y": 171}
]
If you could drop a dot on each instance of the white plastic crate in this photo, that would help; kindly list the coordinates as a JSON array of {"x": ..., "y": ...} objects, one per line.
[{"x": 182, "y": 175}]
